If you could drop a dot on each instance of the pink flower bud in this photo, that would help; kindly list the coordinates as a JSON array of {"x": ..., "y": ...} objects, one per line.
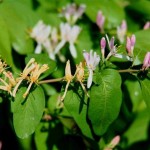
[
  {"x": 133, "y": 39},
  {"x": 146, "y": 62},
  {"x": 130, "y": 44},
  {"x": 103, "y": 45},
  {"x": 111, "y": 44},
  {"x": 147, "y": 25},
  {"x": 100, "y": 20},
  {"x": 115, "y": 141}
]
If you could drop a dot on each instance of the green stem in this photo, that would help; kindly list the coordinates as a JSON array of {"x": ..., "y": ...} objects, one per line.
[
  {"x": 129, "y": 70},
  {"x": 51, "y": 80}
]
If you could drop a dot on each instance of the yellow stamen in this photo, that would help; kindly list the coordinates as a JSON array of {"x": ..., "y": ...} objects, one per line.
[{"x": 36, "y": 72}]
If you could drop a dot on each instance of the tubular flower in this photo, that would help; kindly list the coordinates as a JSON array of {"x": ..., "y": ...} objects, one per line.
[
  {"x": 112, "y": 47},
  {"x": 146, "y": 62},
  {"x": 100, "y": 20},
  {"x": 41, "y": 33},
  {"x": 72, "y": 13},
  {"x": 27, "y": 70},
  {"x": 103, "y": 45},
  {"x": 80, "y": 76},
  {"x": 121, "y": 31},
  {"x": 6, "y": 86},
  {"x": 34, "y": 76},
  {"x": 68, "y": 78},
  {"x": 130, "y": 44},
  {"x": 68, "y": 34},
  {"x": 92, "y": 60}
]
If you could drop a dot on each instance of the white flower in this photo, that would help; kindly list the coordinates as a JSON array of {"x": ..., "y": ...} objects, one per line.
[
  {"x": 68, "y": 34},
  {"x": 72, "y": 13},
  {"x": 40, "y": 32},
  {"x": 46, "y": 37},
  {"x": 92, "y": 60}
]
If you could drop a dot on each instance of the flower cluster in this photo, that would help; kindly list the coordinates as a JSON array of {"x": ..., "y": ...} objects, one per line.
[
  {"x": 48, "y": 37},
  {"x": 7, "y": 81},
  {"x": 31, "y": 74},
  {"x": 72, "y": 13}
]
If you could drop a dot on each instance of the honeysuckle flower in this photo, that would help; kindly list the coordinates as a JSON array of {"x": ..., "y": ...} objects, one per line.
[
  {"x": 146, "y": 62},
  {"x": 41, "y": 33},
  {"x": 100, "y": 19},
  {"x": 147, "y": 25},
  {"x": 113, "y": 143},
  {"x": 121, "y": 31},
  {"x": 68, "y": 34},
  {"x": 72, "y": 13},
  {"x": 68, "y": 78},
  {"x": 27, "y": 70},
  {"x": 112, "y": 48},
  {"x": 92, "y": 60},
  {"x": 130, "y": 44},
  {"x": 103, "y": 45},
  {"x": 10, "y": 77},
  {"x": 34, "y": 76},
  {"x": 80, "y": 76},
  {"x": 6, "y": 86}
]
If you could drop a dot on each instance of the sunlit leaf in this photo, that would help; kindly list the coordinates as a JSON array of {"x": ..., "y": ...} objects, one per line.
[{"x": 27, "y": 112}]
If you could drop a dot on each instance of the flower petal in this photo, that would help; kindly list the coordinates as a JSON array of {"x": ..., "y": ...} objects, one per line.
[
  {"x": 59, "y": 46},
  {"x": 90, "y": 78},
  {"x": 38, "y": 49},
  {"x": 73, "y": 50}
]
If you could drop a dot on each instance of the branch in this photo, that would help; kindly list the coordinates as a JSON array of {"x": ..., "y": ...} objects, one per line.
[{"x": 51, "y": 80}]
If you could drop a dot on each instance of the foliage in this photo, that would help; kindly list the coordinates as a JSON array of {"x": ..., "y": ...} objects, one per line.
[{"x": 74, "y": 74}]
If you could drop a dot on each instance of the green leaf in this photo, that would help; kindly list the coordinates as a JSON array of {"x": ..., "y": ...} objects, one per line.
[
  {"x": 77, "y": 107},
  {"x": 43, "y": 59},
  {"x": 27, "y": 112},
  {"x": 51, "y": 18},
  {"x": 105, "y": 101},
  {"x": 41, "y": 135},
  {"x": 132, "y": 91},
  {"x": 5, "y": 45},
  {"x": 146, "y": 92},
  {"x": 141, "y": 46},
  {"x": 19, "y": 18},
  {"x": 112, "y": 11},
  {"x": 138, "y": 127}
]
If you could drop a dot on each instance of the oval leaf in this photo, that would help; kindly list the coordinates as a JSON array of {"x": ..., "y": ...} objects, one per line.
[
  {"x": 27, "y": 112},
  {"x": 105, "y": 101}
]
